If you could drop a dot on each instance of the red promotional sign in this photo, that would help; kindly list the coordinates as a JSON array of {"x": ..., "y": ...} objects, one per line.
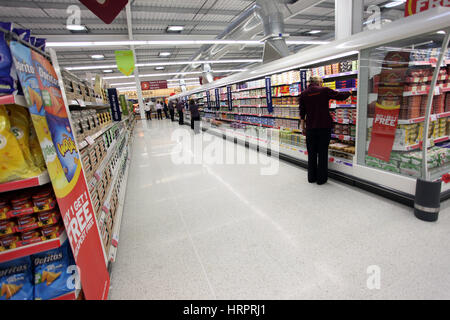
[
  {"x": 50, "y": 119},
  {"x": 416, "y": 6},
  {"x": 106, "y": 10},
  {"x": 383, "y": 131},
  {"x": 154, "y": 85}
]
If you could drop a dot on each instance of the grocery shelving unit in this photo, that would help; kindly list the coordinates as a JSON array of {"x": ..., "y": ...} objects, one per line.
[{"x": 352, "y": 168}]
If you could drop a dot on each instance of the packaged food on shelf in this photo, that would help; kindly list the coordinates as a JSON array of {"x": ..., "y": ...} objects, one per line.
[{"x": 16, "y": 280}]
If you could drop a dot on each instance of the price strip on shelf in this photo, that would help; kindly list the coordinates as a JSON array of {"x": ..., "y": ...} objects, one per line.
[
  {"x": 230, "y": 98},
  {"x": 90, "y": 140}
]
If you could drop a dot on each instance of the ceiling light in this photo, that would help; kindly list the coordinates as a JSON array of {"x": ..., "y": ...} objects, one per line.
[
  {"x": 122, "y": 84},
  {"x": 164, "y": 54},
  {"x": 75, "y": 27},
  {"x": 159, "y": 68},
  {"x": 185, "y": 79},
  {"x": 394, "y": 3},
  {"x": 441, "y": 32},
  {"x": 108, "y": 71},
  {"x": 97, "y": 56},
  {"x": 314, "y": 31},
  {"x": 92, "y": 67},
  {"x": 80, "y": 44},
  {"x": 175, "y": 28},
  {"x": 306, "y": 42}
]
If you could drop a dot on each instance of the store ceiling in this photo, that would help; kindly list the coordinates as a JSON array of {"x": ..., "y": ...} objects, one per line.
[{"x": 201, "y": 19}]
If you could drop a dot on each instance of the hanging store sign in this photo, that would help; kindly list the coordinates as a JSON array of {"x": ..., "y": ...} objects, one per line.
[
  {"x": 154, "y": 85},
  {"x": 53, "y": 128},
  {"x": 115, "y": 105},
  {"x": 106, "y": 10},
  {"x": 416, "y": 6},
  {"x": 269, "y": 95},
  {"x": 230, "y": 98},
  {"x": 125, "y": 61},
  {"x": 208, "y": 99},
  {"x": 217, "y": 98},
  {"x": 303, "y": 84}
]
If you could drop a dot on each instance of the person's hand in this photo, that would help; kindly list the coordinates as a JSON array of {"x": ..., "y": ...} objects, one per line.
[{"x": 303, "y": 125}]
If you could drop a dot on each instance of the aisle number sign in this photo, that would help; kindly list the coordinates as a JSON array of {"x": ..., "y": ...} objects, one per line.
[
  {"x": 106, "y": 10},
  {"x": 230, "y": 98},
  {"x": 416, "y": 6},
  {"x": 269, "y": 94},
  {"x": 208, "y": 99},
  {"x": 50, "y": 119},
  {"x": 115, "y": 106},
  {"x": 217, "y": 98}
]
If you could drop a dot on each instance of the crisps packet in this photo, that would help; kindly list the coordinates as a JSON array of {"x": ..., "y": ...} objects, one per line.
[
  {"x": 35, "y": 148},
  {"x": 13, "y": 165},
  {"x": 20, "y": 126},
  {"x": 16, "y": 280},
  {"x": 54, "y": 273},
  {"x": 6, "y": 81}
]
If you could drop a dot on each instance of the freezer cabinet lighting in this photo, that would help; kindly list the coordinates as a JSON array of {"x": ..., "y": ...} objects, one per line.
[{"x": 394, "y": 3}]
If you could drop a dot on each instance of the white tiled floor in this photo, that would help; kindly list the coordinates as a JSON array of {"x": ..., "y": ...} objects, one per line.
[{"x": 227, "y": 232}]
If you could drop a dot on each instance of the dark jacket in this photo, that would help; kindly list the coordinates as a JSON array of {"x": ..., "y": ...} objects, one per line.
[
  {"x": 194, "y": 110},
  {"x": 315, "y": 106},
  {"x": 180, "y": 106},
  {"x": 171, "y": 105}
]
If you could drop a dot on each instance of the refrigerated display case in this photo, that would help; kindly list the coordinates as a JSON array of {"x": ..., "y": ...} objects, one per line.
[{"x": 391, "y": 67}]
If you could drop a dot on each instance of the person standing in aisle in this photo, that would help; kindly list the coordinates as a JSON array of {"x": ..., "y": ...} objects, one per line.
[
  {"x": 172, "y": 110},
  {"x": 180, "y": 106},
  {"x": 159, "y": 109},
  {"x": 314, "y": 107},
  {"x": 147, "y": 111},
  {"x": 195, "y": 116},
  {"x": 166, "y": 109}
]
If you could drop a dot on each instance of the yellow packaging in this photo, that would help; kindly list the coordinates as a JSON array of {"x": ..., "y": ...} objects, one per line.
[
  {"x": 20, "y": 126},
  {"x": 35, "y": 149},
  {"x": 13, "y": 165}
]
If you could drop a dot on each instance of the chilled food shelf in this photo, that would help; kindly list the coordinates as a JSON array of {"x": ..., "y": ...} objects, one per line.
[
  {"x": 13, "y": 99},
  {"x": 39, "y": 180},
  {"x": 343, "y": 137},
  {"x": 34, "y": 248},
  {"x": 417, "y": 145}
]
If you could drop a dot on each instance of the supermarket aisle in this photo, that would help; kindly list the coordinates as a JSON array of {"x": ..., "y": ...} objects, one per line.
[{"x": 227, "y": 232}]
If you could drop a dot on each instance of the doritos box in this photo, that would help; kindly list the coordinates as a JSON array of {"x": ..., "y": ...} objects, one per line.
[
  {"x": 54, "y": 273},
  {"x": 16, "y": 280}
]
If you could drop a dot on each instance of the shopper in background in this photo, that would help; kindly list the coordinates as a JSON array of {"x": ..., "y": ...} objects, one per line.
[
  {"x": 314, "y": 106},
  {"x": 159, "y": 108},
  {"x": 147, "y": 109},
  {"x": 172, "y": 110},
  {"x": 195, "y": 116},
  {"x": 180, "y": 106},
  {"x": 166, "y": 109}
]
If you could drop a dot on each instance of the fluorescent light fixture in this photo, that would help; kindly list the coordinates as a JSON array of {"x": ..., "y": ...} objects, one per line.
[
  {"x": 80, "y": 44},
  {"x": 108, "y": 71},
  {"x": 441, "y": 32},
  {"x": 394, "y": 3},
  {"x": 307, "y": 42},
  {"x": 168, "y": 63},
  {"x": 185, "y": 79},
  {"x": 314, "y": 31},
  {"x": 231, "y": 70},
  {"x": 97, "y": 56},
  {"x": 126, "y": 88},
  {"x": 175, "y": 28},
  {"x": 160, "y": 68},
  {"x": 122, "y": 84},
  {"x": 171, "y": 74},
  {"x": 164, "y": 54},
  {"x": 75, "y": 27}
]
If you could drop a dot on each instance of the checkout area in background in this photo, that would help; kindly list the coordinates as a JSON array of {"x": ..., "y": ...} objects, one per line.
[{"x": 153, "y": 101}]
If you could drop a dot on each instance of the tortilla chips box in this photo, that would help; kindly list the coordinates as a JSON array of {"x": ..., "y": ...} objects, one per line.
[
  {"x": 16, "y": 280},
  {"x": 53, "y": 273}
]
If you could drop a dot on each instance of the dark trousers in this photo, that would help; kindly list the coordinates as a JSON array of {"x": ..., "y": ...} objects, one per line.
[
  {"x": 181, "y": 120},
  {"x": 166, "y": 114},
  {"x": 317, "y": 142},
  {"x": 172, "y": 115},
  {"x": 148, "y": 114},
  {"x": 159, "y": 112},
  {"x": 195, "y": 124}
]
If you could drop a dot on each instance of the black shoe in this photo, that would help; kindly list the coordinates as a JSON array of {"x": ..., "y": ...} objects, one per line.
[
  {"x": 312, "y": 181},
  {"x": 321, "y": 182}
]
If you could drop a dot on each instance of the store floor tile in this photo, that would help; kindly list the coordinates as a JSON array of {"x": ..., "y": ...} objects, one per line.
[{"x": 216, "y": 231}]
